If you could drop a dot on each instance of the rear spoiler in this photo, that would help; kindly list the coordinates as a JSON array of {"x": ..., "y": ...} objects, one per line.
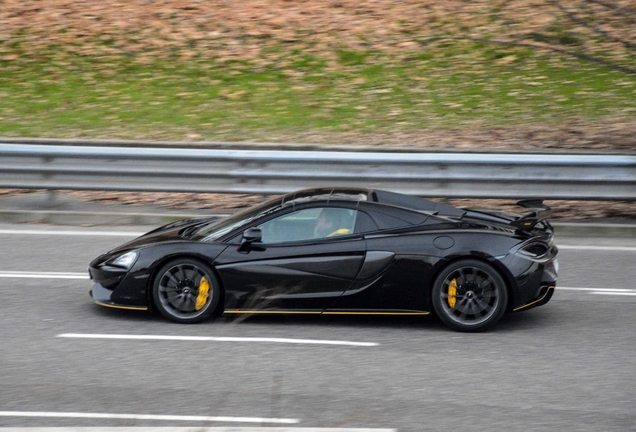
[{"x": 540, "y": 212}]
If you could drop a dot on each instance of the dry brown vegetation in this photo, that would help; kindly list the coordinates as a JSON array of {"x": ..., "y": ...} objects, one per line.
[
  {"x": 265, "y": 31},
  {"x": 227, "y": 29}
]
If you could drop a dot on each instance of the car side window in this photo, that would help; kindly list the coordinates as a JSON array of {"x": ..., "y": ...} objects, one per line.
[
  {"x": 308, "y": 224},
  {"x": 365, "y": 223}
]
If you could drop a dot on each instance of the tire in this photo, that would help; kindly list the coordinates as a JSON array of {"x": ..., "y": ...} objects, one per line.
[
  {"x": 179, "y": 291},
  {"x": 469, "y": 295}
]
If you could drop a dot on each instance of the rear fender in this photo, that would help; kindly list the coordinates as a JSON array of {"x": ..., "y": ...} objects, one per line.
[{"x": 511, "y": 284}]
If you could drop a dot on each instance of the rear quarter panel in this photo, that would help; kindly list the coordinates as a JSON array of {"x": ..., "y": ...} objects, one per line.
[{"x": 405, "y": 284}]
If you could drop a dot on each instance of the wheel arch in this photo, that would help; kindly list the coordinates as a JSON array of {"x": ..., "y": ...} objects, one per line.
[
  {"x": 487, "y": 259},
  {"x": 157, "y": 265}
]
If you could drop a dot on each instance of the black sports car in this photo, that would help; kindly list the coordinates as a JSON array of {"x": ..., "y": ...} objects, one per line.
[{"x": 338, "y": 251}]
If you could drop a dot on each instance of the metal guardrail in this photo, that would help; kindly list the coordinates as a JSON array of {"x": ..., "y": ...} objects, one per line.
[{"x": 453, "y": 175}]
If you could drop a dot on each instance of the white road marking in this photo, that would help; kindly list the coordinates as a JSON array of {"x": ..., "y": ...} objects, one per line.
[
  {"x": 189, "y": 429},
  {"x": 614, "y": 293},
  {"x": 597, "y": 248},
  {"x": 147, "y": 417},
  {"x": 71, "y": 233},
  {"x": 601, "y": 291},
  {"x": 217, "y": 339},
  {"x": 594, "y": 289},
  {"x": 42, "y": 275}
]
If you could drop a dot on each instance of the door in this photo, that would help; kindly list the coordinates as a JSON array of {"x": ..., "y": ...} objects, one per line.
[{"x": 306, "y": 260}]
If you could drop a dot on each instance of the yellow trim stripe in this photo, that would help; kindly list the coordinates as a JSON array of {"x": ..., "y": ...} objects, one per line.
[
  {"x": 536, "y": 301},
  {"x": 376, "y": 313},
  {"x": 231, "y": 311},
  {"x": 137, "y": 308},
  {"x": 323, "y": 313}
]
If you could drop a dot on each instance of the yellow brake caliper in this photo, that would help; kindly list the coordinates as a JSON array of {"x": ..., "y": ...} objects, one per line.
[
  {"x": 204, "y": 291},
  {"x": 452, "y": 293}
]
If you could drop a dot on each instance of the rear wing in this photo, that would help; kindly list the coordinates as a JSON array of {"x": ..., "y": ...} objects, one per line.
[{"x": 539, "y": 212}]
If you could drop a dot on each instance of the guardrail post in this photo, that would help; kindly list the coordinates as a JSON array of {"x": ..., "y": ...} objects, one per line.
[{"x": 51, "y": 198}]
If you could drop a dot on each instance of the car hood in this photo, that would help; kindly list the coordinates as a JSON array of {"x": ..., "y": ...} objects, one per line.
[{"x": 172, "y": 232}]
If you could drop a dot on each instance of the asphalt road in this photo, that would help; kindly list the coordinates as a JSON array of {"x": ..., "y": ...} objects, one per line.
[{"x": 569, "y": 365}]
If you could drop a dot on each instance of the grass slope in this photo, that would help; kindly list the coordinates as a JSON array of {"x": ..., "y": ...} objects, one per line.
[{"x": 313, "y": 71}]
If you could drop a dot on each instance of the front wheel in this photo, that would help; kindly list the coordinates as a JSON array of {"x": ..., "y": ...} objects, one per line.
[
  {"x": 469, "y": 295},
  {"x": 186, "y": 291}
]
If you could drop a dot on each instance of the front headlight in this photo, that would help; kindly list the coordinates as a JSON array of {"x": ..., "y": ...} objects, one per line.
[{"x": 126, "y": 260}]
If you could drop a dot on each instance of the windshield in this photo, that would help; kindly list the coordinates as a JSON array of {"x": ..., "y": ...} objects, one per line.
[{"x": 218, "y": 229}]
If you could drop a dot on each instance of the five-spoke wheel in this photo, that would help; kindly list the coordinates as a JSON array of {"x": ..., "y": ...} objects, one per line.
[
  {"x": 469, "y": 295},
  {"x": 186, "y": 291}
]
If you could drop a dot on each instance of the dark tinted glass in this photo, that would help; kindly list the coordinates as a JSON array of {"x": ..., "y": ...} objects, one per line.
[
  {"x": 365, "y": 223},
  {"x": 395, "y": 218}
]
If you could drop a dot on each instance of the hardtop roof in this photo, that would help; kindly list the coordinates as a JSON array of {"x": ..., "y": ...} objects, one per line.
[{"x": 369, "y": 195}]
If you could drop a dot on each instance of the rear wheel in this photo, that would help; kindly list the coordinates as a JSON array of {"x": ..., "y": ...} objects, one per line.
[
  {"x": 469, "y": 295},
  {"x": 186, "y": 291}
]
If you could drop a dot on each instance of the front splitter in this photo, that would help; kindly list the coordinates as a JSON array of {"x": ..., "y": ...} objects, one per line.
[{"x": 101, "y": 296}]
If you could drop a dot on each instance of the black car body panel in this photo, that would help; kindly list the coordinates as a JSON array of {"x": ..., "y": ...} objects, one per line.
[
  {"x": 306, "y": 276},
  {"x": 384, "y": 261}
]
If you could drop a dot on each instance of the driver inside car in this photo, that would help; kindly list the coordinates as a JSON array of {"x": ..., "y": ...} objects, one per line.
[{"x": 330, "y": 223}]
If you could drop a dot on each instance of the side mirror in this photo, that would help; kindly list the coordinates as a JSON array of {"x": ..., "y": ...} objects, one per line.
[{"x": 252, "y": 235}]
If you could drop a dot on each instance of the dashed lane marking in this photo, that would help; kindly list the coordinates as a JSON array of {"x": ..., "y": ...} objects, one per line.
[
  {"x": 71, "y": 233},
  {"x": 633, "y": 293},
  {"x": 47, "y": 414},
  {"x": 190, "y": 429},
  {"x": 601, "y": 291},
  {"x": 216, "y": 339},
  {"x": 597, "y": 248},
  {"x": 42, "y": 275}
]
